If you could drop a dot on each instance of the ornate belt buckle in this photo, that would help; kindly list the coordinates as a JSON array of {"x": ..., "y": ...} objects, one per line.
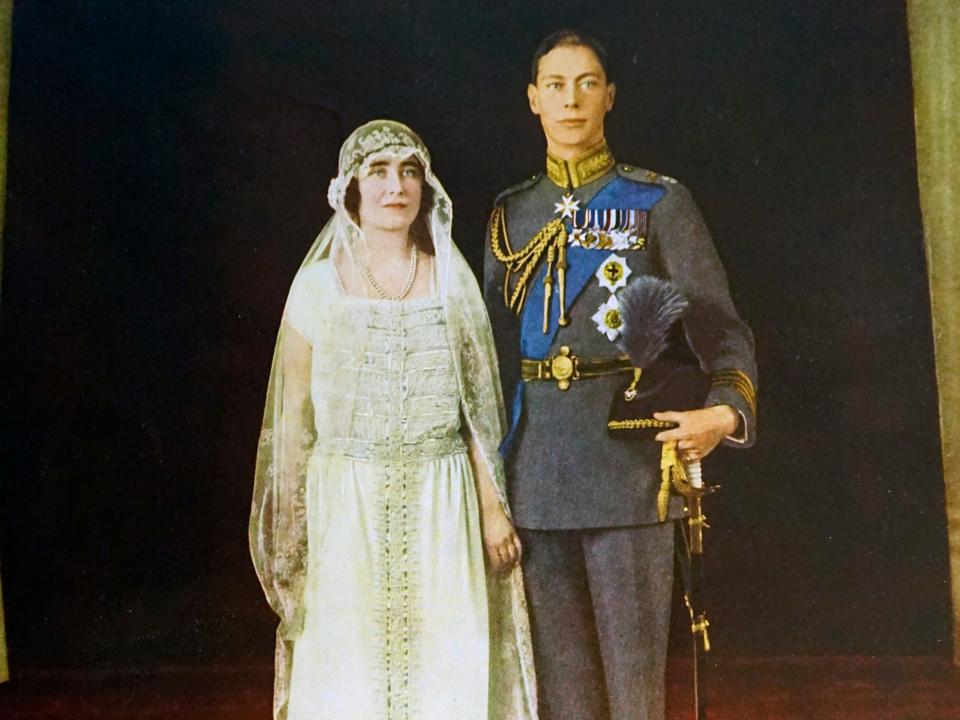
[{"x": 563, "y": 367}]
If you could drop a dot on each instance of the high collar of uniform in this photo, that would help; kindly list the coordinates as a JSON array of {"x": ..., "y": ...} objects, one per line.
[{"x": 582, "y": 169}]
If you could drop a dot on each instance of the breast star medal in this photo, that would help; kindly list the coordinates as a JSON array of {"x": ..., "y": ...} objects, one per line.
[
  {"x": 608, "y": 319},
  {"x": 567, "y": 206},
  {"x": 613, "y": 273}
]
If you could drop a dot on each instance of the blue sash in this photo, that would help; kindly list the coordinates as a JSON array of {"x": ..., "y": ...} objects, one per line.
[{"x": 582, "y": 263}]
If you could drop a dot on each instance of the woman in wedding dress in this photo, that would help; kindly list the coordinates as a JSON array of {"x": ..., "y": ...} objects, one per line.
[{"x": 379, "y": 528}]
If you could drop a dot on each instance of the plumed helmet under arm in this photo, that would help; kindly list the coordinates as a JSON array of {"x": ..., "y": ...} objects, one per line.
[{"x": 649, "y": 307}]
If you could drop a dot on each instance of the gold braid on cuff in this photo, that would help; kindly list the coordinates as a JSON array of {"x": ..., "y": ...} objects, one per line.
[{"x": 733, "y": 378}]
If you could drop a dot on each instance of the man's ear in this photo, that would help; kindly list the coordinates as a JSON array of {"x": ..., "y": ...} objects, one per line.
[
  {"x": 611, "y": 94},
  {"x": 534, "y": 97}
]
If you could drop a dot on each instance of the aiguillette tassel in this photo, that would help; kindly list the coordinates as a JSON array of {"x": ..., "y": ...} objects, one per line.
[
  {"x": 562, "y": 278},
  {"x": 547, "y": 290}
]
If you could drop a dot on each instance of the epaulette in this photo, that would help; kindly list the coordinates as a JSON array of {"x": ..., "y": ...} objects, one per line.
[
  {"x": 632, "y": 172},
  {"x": 517, "y": 188}
]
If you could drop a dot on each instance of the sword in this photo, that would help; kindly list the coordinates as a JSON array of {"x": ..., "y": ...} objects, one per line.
[
  {"x": 649, "y": 308},
  {"x": 689, "y": 484}
]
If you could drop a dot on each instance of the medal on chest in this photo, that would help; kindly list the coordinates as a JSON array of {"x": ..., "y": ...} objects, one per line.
[
  {"x": 596, "y": 229},
  {"x": 603, "y": 228},
  {"x": 608, "y": 228},
  {"x": 611, "y": 275}
]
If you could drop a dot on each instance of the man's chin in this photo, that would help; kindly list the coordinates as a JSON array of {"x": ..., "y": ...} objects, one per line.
[{"x": 575, "y": 138}]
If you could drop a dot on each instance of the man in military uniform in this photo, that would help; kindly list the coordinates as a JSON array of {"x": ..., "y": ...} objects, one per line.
[{"x": 561, "y": 249}]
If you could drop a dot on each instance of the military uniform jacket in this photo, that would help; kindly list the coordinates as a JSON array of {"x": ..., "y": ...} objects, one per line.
[{"x": 564, "y": 470}]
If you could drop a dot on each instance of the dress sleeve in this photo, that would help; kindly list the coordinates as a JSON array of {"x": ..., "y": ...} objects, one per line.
[
  {"x": 721, "y": 340},
  {"x": 302, "y": 304}
]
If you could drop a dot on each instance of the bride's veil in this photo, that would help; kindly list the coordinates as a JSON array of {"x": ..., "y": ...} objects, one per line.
[{"x": 322, "y": 324}]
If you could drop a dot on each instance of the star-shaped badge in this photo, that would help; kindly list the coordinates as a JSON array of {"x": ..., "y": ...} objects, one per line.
[
  {"x": 567, "y": 206},
  {"x": 613, "y": 273},
  {"x": 608, "y": 318}
]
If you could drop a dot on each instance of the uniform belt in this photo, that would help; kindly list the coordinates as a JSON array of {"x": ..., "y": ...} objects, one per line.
[{"x": 565, "y": 367}]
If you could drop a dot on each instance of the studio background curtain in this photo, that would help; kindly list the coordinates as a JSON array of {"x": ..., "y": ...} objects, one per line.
[
  {"x": 934, "y": 27},
  {"x": 6, "y": 12}
]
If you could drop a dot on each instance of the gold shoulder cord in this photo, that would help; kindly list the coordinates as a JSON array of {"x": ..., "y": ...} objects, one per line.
[{"x": 551, "y": 240}]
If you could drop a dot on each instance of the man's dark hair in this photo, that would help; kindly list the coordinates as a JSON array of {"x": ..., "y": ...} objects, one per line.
[{"x": 570, "y": 37}]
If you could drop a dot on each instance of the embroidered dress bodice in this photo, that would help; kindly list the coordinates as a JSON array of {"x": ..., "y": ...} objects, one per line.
[{"x": 407, "y": 404}]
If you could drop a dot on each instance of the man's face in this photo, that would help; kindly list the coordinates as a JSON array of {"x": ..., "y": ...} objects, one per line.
[{"x": 572, "y": 97}]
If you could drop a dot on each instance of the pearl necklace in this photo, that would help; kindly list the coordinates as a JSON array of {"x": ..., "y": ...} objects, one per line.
[{"x": 405, "y": 290}]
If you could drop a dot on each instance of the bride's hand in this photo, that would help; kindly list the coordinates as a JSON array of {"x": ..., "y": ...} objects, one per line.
[{"x": 500, "y": 539}]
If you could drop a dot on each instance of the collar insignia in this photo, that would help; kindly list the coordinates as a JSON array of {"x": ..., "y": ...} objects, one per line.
[{"x": 580, "y": 170}]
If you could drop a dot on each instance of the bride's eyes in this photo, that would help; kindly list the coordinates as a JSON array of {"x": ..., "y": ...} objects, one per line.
[{"x": 408, "y": 171}]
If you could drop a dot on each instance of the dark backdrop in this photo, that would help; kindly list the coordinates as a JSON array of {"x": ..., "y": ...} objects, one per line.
[{"x": 168, "y": 170}]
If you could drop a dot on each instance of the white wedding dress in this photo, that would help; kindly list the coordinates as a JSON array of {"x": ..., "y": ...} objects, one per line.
[{"x": 397, "y": 625}]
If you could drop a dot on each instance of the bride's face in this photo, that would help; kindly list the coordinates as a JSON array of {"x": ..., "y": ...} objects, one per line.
[{"x": 390, "y": 193}]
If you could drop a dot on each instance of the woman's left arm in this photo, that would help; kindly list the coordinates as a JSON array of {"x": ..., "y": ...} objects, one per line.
[{"x": 499, "y": 536}]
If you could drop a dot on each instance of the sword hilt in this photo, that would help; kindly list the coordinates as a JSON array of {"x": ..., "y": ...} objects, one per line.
[{"x": 690, "y": 485}]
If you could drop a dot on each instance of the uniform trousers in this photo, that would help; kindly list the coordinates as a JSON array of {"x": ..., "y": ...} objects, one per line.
[{"x": 599, "y": 602}]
